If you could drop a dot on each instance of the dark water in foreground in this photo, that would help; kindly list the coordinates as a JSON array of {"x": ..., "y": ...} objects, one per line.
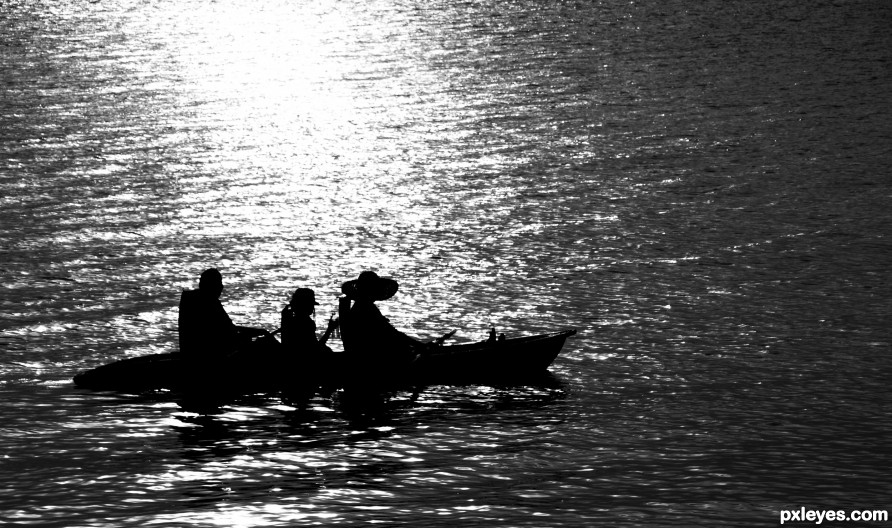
[{"x": 700, "y": 189}]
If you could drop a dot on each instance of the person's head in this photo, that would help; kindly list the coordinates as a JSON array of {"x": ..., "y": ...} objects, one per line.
[
  {"x": 303, "y": 300},
  {"x": 370, "y": 287},
  {"x": 211, "y": 282}
]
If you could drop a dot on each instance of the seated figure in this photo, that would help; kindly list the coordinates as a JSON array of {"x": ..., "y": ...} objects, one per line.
[
  {"x": 299, "y": 329},
  {"x": 205, "y": 329},
  {"x": 370, "y": 339}
]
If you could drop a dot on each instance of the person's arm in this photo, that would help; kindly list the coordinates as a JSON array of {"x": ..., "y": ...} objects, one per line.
[
  {"x": 248, "y": 331},
  {"x": 332, "y": 324},
  {"x": 402, "y": 336}
]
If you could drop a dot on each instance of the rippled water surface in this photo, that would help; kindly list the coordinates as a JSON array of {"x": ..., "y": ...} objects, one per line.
[{"x": 701, "y": 189}]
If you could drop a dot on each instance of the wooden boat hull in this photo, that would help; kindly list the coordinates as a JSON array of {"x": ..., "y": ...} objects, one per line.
[
  {"x": 268, "y": 370},
  {"x": 512, "y": 358}
]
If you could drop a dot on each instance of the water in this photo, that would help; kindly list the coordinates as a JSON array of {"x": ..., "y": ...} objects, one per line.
[{"x": 701, "y": 189}]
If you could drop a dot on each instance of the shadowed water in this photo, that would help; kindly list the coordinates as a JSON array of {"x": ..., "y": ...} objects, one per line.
[{"x": 700, "y": 189}]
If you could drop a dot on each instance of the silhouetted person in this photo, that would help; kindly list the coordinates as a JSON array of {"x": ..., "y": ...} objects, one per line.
[
  {"x": 206, "y": 331},
  {"x": 371, "y": 340},
  {"x": 298, "y": 327}
]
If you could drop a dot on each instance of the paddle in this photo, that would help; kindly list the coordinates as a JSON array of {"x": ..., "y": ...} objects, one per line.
[
  {"x": 422, "y": 348},
  {"x": 440, "y": 340},
  {"x": 333, "y": 324}
]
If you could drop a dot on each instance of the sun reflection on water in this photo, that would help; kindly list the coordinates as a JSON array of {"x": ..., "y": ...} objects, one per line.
[{"x": 523, "y": 165}]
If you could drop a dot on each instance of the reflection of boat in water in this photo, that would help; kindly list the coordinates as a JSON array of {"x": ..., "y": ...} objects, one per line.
[{"x": 266, "y": 369}]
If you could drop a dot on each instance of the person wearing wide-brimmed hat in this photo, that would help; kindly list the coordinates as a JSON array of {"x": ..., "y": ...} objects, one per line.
[{"x": 372, "y": 339}]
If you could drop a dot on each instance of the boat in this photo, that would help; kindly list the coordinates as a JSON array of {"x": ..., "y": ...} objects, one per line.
[
  {"x": 516, "y": 358},
  {"x": 264, "y": 368}
]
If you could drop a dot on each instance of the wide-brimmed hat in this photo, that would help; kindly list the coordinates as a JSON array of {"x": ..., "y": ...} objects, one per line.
[
  {"x": 303, "y": 296},
  {"x": 370, "y": 285}
]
